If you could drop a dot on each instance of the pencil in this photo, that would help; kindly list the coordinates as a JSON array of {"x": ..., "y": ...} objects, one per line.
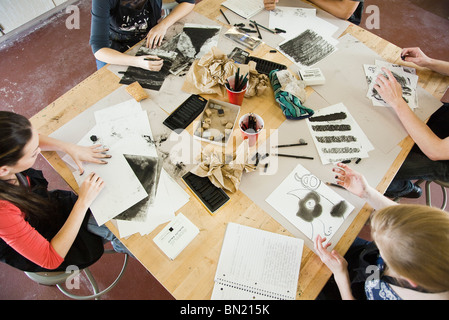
[
  {"x": 335, "y": 185},
  {"x": 224, "y": 16},
  {"x": 257, "y": 28},
  {"x": 290, "y": 145},
  {"x": 292, "y": 156},
  {"x": 258, "y": 24}
]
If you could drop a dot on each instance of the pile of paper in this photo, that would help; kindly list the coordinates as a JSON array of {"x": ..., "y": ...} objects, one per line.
[
  {"x": 406, "y": 76},
  {"x": 136, "y": 188},
  {"x": 337, "y": 136}
]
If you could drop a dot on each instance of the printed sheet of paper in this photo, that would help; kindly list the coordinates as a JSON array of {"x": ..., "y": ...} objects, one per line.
[
  {"x": 337, "y": 135},
  {"x": 176, "y": 235},
  {"x": 309, "y": 204}
]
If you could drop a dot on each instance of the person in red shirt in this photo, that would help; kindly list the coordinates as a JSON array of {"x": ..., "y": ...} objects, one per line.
[{"x": 42, "y": 230}]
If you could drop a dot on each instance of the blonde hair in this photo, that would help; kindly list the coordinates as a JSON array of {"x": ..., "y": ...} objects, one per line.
[{"x": 414, "y": 241}]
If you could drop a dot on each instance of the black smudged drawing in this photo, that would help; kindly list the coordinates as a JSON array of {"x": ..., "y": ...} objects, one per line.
[
  {"x": 307, "y": 48},
  {"x": 310, "y": 207},
  {"x": 178, "y": 54},
  {"x": 340, "y": 150},
  {"x": 332, "y": 127},
  {"x": 329, "y": 117},
  {"x": 336, "y": 139}
]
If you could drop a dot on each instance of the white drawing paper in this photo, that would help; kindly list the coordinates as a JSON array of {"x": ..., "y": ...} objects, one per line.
[
  {"x": 309, "y": 204},
  {"x": 122, "y": 188},
  {"x": 246, "y": 9},
  {"x": 295, "y": 20}
]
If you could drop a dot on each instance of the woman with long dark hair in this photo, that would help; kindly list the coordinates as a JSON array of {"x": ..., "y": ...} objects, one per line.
[{"x": 39, "y": 229}]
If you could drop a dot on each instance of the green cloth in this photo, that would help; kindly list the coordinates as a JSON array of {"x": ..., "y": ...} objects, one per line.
[{"x": 291, "y": 106}]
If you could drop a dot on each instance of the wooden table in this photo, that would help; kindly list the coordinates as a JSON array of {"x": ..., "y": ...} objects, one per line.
[{"x": 191, "y": 274}]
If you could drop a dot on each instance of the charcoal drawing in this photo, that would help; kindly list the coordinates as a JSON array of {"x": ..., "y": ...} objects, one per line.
[
  {"x": 405, "y": 84},
  {"x": 178, "y": 54},
  {"x": 308, "y": 204},
  {"x": 313, "y": 201},
  {"x": 340, "y": 150},
  {"x": 335, "y": 139},
  {"x": 307, "y": 48},
  {"x": 331, "y": 127},
  {"x": 310, "y": 207},
  {"x": 147, "y": 170},
  {"x": 329, "y": 117}
]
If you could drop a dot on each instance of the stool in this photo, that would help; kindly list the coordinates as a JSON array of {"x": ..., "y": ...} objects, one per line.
[
  {"x": 58, "y": 278},
  {"x": 442, "y": 184}
]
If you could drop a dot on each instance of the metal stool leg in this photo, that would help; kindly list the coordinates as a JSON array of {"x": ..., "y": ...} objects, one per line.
[
  {"x": 97, "y": 293},
  {"x": 429, "y": 195}
]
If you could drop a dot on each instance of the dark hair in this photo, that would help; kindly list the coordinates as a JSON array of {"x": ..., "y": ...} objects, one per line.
[{"x": 15, "y": 133}]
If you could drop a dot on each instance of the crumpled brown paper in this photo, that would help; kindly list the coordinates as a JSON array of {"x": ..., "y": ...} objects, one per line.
[
  {"x": 222, "y": 173},
  {"x": 257, "y": 82},
  {"x": 208, "y": 75}
]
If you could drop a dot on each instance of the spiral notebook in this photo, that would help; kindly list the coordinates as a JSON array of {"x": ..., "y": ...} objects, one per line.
[{"x": 257, "y": 264}]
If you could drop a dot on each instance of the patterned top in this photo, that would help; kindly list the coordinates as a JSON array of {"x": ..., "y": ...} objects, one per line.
[{"x": 378, "y": 288}]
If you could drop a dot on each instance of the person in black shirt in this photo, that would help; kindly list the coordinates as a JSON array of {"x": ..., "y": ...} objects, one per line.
[
  {"x": 117, "y": 25},
  {"x": 429, "y": 157}
]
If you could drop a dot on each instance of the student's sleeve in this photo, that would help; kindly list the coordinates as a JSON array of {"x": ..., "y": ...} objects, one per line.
[
  {"x": 26, "y": 240},
  {"x": 99, "y": 30}
]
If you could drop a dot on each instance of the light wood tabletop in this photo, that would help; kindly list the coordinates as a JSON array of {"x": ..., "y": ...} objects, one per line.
[{"x": 191, "y": 274}]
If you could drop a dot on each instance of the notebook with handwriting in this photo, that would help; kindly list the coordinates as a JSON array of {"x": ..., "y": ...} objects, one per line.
[
  {"x": 257, "y": 264},
  {"x": 246, "y": 8}
]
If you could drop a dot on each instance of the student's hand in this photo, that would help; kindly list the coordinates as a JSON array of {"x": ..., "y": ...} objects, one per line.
[
  {"x": 154, "y": 63},
  {"x": 94, "y": 154},
  {"x": 332, "y": 259},
  {"x": 156, "y": 35},
  {"x": 389, "y": 89},
  {"x": 416, "y": 56},
  {"x": 90, "y": 189},
  {"x": 270, "y": 4},
  {"x": 351, "y": 180}
]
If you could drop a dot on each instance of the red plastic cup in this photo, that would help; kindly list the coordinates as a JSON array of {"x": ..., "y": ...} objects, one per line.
[
  {"x": 250, "y": 133},
  {"x": 235, "y": 97}
]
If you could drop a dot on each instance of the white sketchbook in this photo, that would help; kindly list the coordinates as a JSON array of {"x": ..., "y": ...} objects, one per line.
[
  {"x": 246, "y": 9},
  {"x": 257, "y": 264}
]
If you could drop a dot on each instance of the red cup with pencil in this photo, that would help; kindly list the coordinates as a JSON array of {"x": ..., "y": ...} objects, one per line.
[{"x": 236, "y": 87}]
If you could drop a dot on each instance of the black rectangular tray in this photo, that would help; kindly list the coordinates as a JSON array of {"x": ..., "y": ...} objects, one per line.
[
  {"x": 186, "y": 112},
  {"x": 212, "y": 197},
  {"x": 265, "y": 66}
]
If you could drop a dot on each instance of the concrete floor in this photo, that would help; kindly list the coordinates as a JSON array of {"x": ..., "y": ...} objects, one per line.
[{"x": 40, "y": 65}]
